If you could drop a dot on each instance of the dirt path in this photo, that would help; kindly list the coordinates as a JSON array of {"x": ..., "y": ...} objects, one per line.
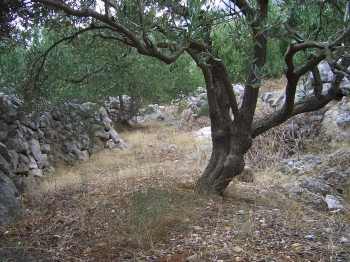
[{"x": 138, "y": 205}]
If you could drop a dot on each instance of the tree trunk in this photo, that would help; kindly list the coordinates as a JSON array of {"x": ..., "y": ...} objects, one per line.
[
  {"x": 225, "y": 163},
  {"x": 229, "y": 138}
]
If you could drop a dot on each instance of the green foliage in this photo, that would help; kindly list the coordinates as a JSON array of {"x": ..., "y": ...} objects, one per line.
[
  {"x": 232, "y": 42},
  {"x": 204, "y": 110},
  {"x": 90, "y": 69},
  {"x": 312, "y": 20},
  {"x": 12, "y": 65}
]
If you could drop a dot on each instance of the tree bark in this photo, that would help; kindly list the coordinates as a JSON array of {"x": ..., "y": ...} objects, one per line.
[
  {"x": 229, "y": 139},
  {"x": 226, "y": 162}
]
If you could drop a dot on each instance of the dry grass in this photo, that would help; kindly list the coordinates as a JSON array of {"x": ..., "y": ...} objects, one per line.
[
  {"x": 116, "y": 203},
  {"x": 150, "y": 151},
  {"x": 276, "y": 144},
  {"x": 270, "y": 85},
  {"x": 138, "y": 205}
]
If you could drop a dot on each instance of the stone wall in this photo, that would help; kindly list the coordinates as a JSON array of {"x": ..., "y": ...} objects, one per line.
[{"x": 32, "y": 144}]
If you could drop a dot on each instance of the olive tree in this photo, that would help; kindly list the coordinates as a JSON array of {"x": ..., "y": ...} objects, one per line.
[{"x": 166, "y": 29}]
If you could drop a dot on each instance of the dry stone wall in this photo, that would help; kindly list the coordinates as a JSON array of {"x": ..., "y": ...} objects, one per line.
[{"x": 32, "y": 144}]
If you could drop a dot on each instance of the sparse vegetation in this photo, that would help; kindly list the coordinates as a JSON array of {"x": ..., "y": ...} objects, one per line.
[{"x": 139, "y": 203}]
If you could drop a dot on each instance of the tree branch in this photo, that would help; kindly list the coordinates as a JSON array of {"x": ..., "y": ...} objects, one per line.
[
  {"x": 309, "y": 104},
  {"x": 244, "y": 7},
  {"x": 142, "y": 44},
  {"x": 251, "y": 91},
  {"x": 93, "y": 14},
  {"x": 43, "y": 57},
  {"x": 228, "y": 87}
]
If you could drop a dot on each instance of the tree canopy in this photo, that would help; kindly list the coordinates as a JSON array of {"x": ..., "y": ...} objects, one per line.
[{"x": 229, "y": 40}]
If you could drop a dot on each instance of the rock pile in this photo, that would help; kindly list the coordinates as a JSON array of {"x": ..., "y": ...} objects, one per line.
[
  {"x": 152, "y": 112},
  {"x": 121, "y": 109},
  {"x": 31, "y": 144},
  {"x": 321, "y": 180}
]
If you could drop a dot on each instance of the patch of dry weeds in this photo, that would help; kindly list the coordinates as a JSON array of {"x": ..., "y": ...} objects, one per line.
[{"x": 139, "y": 205}]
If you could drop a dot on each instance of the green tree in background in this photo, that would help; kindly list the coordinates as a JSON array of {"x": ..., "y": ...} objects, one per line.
[{"x": 90, "y": 69}]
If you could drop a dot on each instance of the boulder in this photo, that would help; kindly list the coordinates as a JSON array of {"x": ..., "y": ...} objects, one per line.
[
  {"x": 3, "y": 130},
  {"x": 327, "y": 77},
  {"x": 45, "y": 148},
  {"x": 305, "y": 86},
  {"x": 102, "y": 134},
  {"x": 274, "y": 99},
  {"x": 36, "y": 172},
  {"x": 14, "y": 158},
  {"x": 8, "y": 108},
  {"x": 4, "y": 152},
  {"x": 121, "y": 112},
  {"x": 116, "y": 140}
]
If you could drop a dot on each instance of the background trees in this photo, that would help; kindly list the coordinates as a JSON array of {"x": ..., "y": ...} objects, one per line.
[
  {"x": 90, "y": 69},
  {"x": 228, "y": 40}
]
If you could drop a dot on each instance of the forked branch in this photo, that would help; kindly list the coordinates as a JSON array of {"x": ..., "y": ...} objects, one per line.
[{"x": 135, "y": 39}]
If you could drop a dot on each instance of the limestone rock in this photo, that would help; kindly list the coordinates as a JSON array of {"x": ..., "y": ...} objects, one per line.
[
  {"x": 336, "y": 122},
  {"x": 316, "y": 185},
  {"x": 36, "y": 172},
  {"x": 300, "y": 165},
  {"x": 23, "y": 164},
  {"x": 83, "y": 155},
  {"x": 102, "y": 134},
  {"x": 36, "y": 151},
  {"x": 10, "y": 206},
  {"x": 153, "y": 113},
  {"x": 203, "y": 133},
  {"x": 4, "y": 165},
  {"x": 333, "y": 202},
  {"x": 4, "y": 152},
  {"x": 45, "y": 148}
]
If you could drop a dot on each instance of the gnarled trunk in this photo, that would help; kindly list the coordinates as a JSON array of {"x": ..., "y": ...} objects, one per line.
[
  {"x": 226, "y": 162},
  {"x": 229, "y": 137}
]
